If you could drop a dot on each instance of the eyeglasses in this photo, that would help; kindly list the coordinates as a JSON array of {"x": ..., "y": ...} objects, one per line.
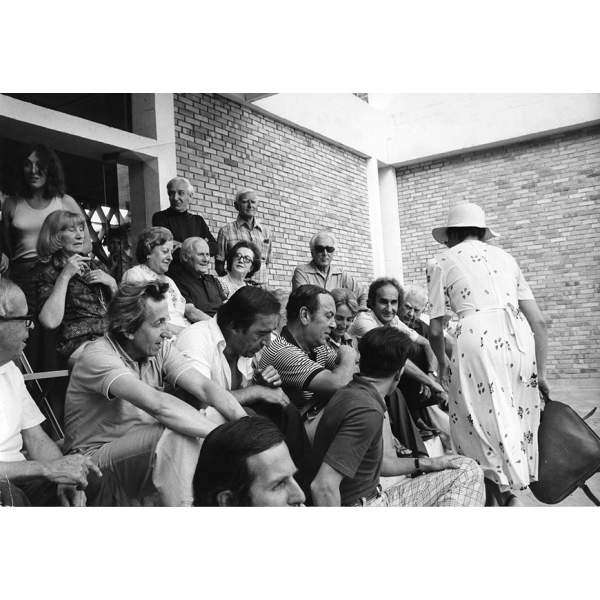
[
  {"x": 28, "y": 319},
  {"x": 328, "y": 249},
  {"x": 243, "y": 258}
]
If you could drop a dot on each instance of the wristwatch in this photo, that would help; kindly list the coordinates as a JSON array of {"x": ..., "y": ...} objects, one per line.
[{"x": 418, "y": 471}]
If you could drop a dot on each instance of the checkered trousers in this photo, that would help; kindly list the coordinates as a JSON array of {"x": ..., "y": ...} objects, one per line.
[{"x": 452, "y": 487}]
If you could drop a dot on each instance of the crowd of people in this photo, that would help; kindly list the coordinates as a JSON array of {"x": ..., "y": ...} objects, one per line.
[{"x": 189, "y": 386}]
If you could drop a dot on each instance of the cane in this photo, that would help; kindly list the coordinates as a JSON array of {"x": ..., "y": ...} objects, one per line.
[{"x": 44, "y": 404}]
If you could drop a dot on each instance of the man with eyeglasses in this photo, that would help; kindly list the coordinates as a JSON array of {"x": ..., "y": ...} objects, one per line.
[
  {"x": 249, "y": 228},
  {"x": 45, "y": 477},
  {"x": 320, "y": 271}
]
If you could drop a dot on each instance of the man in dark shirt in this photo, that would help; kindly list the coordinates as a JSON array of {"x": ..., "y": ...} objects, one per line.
[
  {"x": 353, "y": 444},
  {"x": 192, "y": 277},
  {"x": 182, "y": 223}
]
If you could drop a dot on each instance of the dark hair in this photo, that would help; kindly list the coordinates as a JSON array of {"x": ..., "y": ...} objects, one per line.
[
  {"x": 149, "y": 239},
  {"x": 382, "y": 282},
  {"x": 52, "y": 167},
  {"x": 383, "y": 351},
  {"x": 240, "y": 311},
  {"x": 222, "y": 464},
  {"x": 127, "y": 310},
  {"x": 459, "y": 234},
  {"x": 306, "y": 295},
  {"x": 256, "y": 261}
]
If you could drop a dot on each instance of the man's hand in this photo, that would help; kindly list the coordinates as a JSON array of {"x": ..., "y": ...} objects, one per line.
[
  {"x": 69, "y": 495},
  {"x": 71, "y": 470},
  {"x": 273, "y": 396},
  {"x": 440, "y": 463},
  {"x": 347, "y": 355},
  {"x": 268, "y": 377}
]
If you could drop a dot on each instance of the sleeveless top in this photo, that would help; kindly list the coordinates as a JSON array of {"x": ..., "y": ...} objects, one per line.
[{"x": 27, "y": 222}]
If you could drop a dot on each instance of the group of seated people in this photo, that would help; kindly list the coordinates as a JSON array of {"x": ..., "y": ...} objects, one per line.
[{"x": 190, "y": 389}]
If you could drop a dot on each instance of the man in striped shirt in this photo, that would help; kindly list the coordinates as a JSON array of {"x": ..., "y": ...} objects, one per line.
[
  {"x": 246, "y": 227},
  {"x": 310, "y": 370}
]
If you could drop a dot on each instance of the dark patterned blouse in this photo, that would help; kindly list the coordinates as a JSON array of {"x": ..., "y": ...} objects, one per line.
[{"x": 85, "y": 304}]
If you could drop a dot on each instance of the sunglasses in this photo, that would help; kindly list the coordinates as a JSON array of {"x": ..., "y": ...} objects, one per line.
[
  {"x": 328, "y": 249},
  {"x": 28, "y": 319}
]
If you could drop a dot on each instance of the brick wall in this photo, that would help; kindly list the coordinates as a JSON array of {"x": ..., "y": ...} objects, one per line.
[
  {"x": 304, "y": 184},
  {"x": 543, "y": 198}
]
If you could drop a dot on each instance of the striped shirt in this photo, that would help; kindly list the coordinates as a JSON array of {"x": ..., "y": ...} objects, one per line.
[
  {"x": 296, "y": 368},
  {"x": 238, "y": 230}
]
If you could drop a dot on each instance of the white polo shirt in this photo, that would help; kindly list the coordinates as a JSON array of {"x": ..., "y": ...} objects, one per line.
[
  {"x": 18, "y": 411},
  {"x": 366, "y": 320},
  {"x": 203, "y": 343}
]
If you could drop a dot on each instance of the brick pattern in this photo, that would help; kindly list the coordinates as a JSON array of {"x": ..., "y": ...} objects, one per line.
[
  {"x": 304, "y": 184},
  {"x": 543, "y": 198}
]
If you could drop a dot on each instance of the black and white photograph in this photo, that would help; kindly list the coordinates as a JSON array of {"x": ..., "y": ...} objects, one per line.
[{"x": 220, "y": 301}]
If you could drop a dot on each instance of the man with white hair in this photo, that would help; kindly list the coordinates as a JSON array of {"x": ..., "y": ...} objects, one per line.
[
  {"x": 249, "y": 228},
  {"x": 196, "y": 284},
  {"x": 177, "y": 218},
  {"x": 320, "y": 271},
  {"x": 45, "y": 477}
]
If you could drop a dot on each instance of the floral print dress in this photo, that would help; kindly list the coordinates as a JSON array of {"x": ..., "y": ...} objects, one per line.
[{"x": 494, "y": 400}]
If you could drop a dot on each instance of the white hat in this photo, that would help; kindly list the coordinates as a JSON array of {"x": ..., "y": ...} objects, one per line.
[{"x": 463, "y": 215}]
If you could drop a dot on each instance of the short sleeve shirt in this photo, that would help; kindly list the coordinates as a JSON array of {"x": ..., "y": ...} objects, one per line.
[
  {"x": 366, "y": 320},
  {"x": 93, "y": 415},
  {"x": 175, "y": 300},
  {"x": 349, "y": 439},
  {"x": 474, "y": 275},
  {"x": 204, "y": 344},
  {"x": 296, "y": 368},
  {"x": 18, "y": 411},
  {"x": 335, "y": 278},
  {"x": 260, "y": 235}
]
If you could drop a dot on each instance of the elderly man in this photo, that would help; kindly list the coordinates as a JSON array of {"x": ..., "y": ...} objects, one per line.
[
  {"x": 225, "y": 348},
  {"x": 177, "y": 218},
  {"x": 311, "y": 370},
  {"x": 319, "y": 271},
  {"x": 191, "y": 275},
  {"x": 422, "y": 403},
  {"x": 246, "y": 463},
  {"x": 46, "y": 477},
  {"x": 118, "y": 404},
  {"x": 384, "y": 299},
  {"x": 354, "y": 444},
  {"x": 246, "y": 227}
]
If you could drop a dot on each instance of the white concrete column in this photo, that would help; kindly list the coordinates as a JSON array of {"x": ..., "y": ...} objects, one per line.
[
  {"x": 375, "y": 217},
  {"x": 390, "y": 223},
  {"x": 153, "y": 115}
]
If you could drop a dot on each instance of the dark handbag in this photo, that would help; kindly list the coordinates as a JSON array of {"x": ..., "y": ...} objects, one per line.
[{"x": 569, "y": 454}]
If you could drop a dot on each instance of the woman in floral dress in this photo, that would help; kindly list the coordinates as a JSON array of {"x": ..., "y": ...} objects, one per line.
[{"x": 499, "y": 362}]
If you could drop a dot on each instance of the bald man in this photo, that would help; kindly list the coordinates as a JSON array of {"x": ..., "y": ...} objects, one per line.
[
  {"x": 177, "y": 218},
  {"x": 191, "y": 274},
  {"x": 320, "y": 271},
  {"x": 250, "y": 228}
]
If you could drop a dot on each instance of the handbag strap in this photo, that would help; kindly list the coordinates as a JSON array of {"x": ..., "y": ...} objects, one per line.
[{"x": 590, "y": 495}]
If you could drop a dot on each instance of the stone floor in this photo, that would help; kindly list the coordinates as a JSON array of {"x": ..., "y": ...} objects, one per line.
[{"x": 582, "y": 395}]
